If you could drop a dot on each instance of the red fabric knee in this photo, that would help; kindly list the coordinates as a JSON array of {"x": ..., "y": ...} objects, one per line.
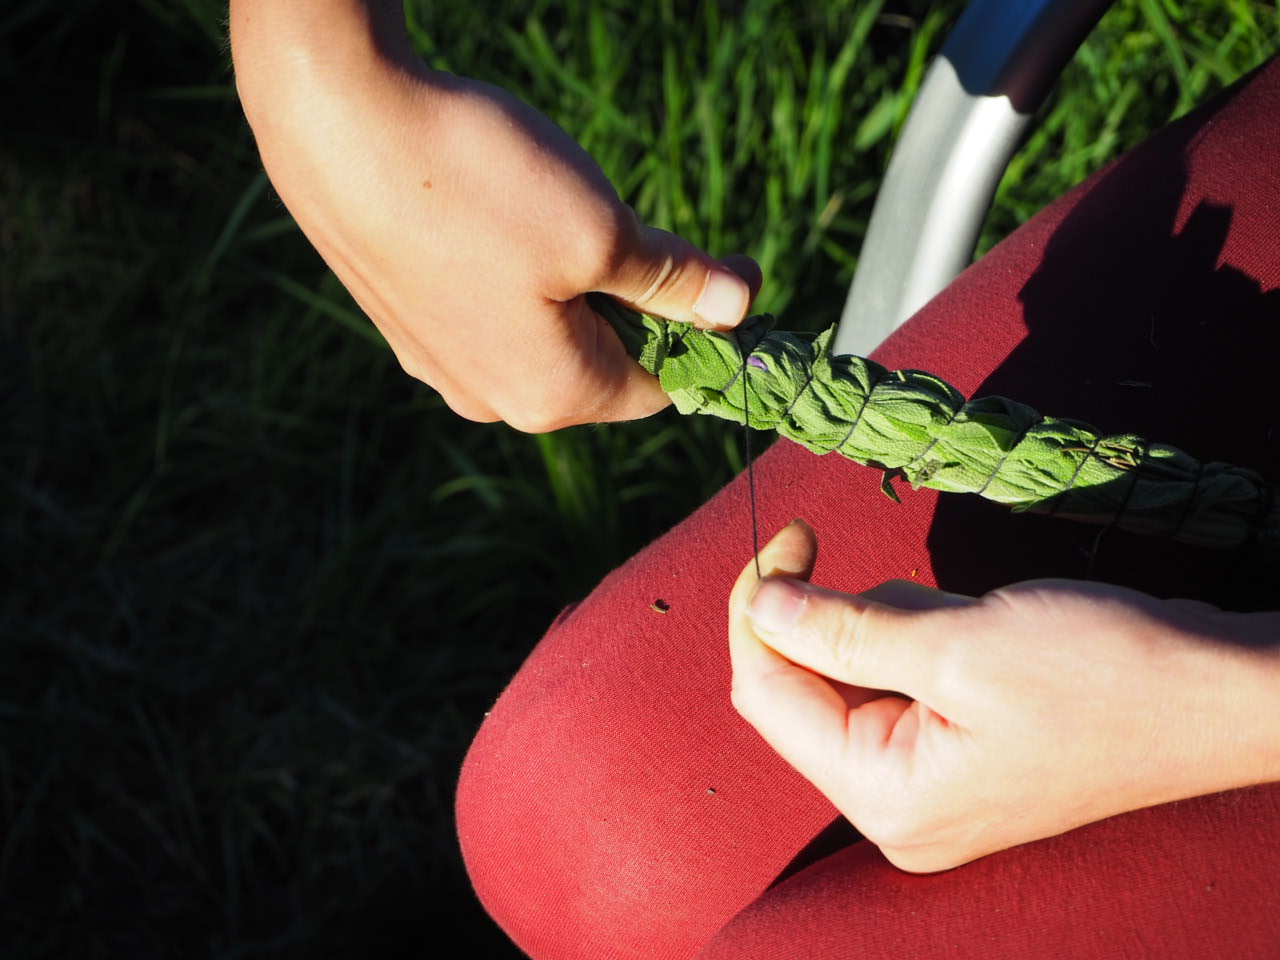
[
  {"x": 613, "y": 805},
  {"x": 1178, "y": 882}
]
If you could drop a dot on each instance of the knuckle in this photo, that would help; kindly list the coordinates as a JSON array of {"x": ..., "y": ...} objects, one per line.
[
  {"x": 460, "y": 403},
  {"x": 572, "y": 397},
  {"x": 752, "y": 702},
  {"x": 922, "y": 833},
  {"x": 849, "y": 626},
  {"x": 413, "y": 367},
  {"x": 923, "y": 860},
  {"x": 741, "y": 699},
  {"x": 644, "y": 258},
  {"x": 529, "y": 418},
  {"x": 656, "y": 280},
  {"x": 899, "y": 827},
  {"x": 530, "y": 422},
  {"x": 469, "y": 411}
]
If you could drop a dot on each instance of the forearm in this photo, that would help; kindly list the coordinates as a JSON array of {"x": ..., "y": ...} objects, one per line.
[
  {"x": 280, "y": 46},
  {"x": 326, "y": 85}
]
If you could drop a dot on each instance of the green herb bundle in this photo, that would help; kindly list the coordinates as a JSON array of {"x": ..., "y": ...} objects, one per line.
[{"x": 913, "y": 425}]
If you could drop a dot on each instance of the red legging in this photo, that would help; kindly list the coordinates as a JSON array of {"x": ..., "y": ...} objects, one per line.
[{"x": 615, "y": 806}]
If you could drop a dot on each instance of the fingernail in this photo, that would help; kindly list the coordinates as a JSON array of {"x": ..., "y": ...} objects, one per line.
[
  {"x": 723, "y": 301},
  {"x": 777, "y": 604}
]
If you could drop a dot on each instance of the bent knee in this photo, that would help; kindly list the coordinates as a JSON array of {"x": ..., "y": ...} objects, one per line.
[{"x": 613, "y": 804}]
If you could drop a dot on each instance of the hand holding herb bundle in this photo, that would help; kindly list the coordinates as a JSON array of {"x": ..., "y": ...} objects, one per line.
[{"x": 466, "y": 224}]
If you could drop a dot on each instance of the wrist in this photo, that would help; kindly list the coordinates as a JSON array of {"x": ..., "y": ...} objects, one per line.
[
  {"x": 1249, "y": 734},
  {"x": 1267, "y": 672}
]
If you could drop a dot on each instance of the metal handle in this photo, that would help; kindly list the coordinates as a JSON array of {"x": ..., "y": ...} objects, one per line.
[{"x": 974, "y": 106}]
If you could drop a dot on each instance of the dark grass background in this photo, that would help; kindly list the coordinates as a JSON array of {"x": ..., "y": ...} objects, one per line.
[{"x": 257, "y": 587}]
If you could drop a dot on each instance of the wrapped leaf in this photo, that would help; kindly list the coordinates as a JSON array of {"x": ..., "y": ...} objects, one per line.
[{"x": 914, "y": 425}]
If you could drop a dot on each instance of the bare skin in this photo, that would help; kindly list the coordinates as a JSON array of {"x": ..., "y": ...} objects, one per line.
[
  {"x": 948, "y": 727},
  {"x": 466, "y": 224}
]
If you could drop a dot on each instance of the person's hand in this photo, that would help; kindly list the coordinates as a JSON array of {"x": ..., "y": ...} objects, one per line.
[
  {"x": 466, "y": 225},
  {"x": 947, "y": 727}
]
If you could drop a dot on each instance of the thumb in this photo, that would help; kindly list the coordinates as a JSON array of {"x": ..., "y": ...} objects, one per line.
[
  {"x": 659, "y": 273},
  {"x": 859, "y": 639}
]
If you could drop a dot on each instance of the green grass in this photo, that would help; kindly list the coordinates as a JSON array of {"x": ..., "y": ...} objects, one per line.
[{"x": 259, "y": 587}]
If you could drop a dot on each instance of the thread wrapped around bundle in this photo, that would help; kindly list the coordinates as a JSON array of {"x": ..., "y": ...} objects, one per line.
[{"x": 911, "y": 424}]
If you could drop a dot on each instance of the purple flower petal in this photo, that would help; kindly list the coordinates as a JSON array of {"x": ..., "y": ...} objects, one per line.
[{"x": 757, "y": 362}]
